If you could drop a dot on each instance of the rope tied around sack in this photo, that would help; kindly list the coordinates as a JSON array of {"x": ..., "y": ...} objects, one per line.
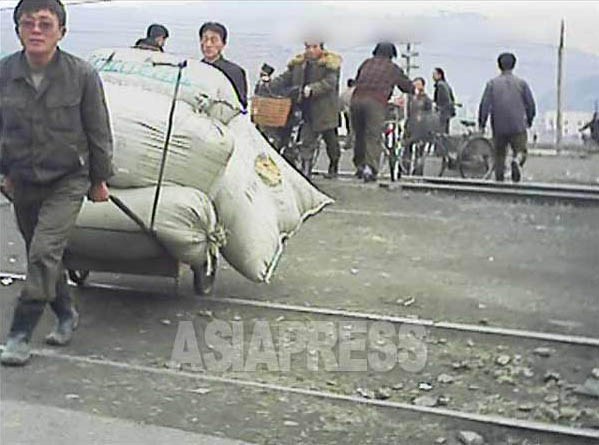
[
  {"x": 215, "y": 240},
  {"x": 217, "y": 108}
]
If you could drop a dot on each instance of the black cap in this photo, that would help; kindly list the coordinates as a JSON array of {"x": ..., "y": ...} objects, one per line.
[{"x": 157, "y": 30}]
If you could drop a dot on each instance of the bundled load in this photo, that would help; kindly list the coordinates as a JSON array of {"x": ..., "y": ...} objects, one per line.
[
  {"x": 185, "y": 224},
  {"x": 199, "y": 148},
  {"x": 215, "y": 157},
  {"x": 203, "y": 87},
  {"x": 261, "y": 201}
]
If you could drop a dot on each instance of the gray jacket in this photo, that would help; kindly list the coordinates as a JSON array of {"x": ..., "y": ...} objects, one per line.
[
  {"x": 509, "y": 102},
  {"x": 63, "y": 128}
]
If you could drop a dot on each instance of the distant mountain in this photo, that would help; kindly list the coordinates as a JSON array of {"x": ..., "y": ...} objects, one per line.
[{"x": 466, "y": 45}]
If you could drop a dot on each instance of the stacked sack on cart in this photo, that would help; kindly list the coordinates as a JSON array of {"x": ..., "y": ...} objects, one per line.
[{"x": 224, "y": 187}]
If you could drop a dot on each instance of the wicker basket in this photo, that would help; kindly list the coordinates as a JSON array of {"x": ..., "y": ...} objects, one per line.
[{"x": 270, "y": 111}]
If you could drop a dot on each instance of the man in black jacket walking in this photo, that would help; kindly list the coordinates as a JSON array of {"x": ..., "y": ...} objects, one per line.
[
  {"x": 510, "y": 103},
  {"x": 376, "y": 78}
]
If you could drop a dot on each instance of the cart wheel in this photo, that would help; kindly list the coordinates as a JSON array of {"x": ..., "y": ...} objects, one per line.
[
  {"x": 78, "y": 276},
  {"x": 203, "y": 283}
]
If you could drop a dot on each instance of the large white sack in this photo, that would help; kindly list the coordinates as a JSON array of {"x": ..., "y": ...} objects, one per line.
[
  {"x": 185, "y": 223},
  {"x": 203, "y": 86},
  {"x": 199, "y": 148},
  {"x": 261, "y": 201}
]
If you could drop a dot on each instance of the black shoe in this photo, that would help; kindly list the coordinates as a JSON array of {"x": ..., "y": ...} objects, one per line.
[
  {"x": 359, "y": 173},
  {"x": 17, "y": 351},
  {"x": 63, "y": 332},
  {"x": 516, "y": 176},
  {"x": 333, "y": 170}
]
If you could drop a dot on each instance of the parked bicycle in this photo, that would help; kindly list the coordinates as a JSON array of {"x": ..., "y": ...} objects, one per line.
[{"x": 470, "y": 153}]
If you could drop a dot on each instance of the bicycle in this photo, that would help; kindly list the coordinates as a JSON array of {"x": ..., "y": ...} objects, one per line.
[
  {"x": 291, "y": 148},
  {"x": 470, "y": 153},
  {"x": 392, "y": 144}
]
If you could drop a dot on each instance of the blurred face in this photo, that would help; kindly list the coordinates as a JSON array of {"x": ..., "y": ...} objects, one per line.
[
  {"x": 418, "y": 85},
  {"x": 212, "y": 45},
  {"x": 40, "y": 33},
  {"x": 313, "y": 51},
  {"x": 436, "y": 75}
]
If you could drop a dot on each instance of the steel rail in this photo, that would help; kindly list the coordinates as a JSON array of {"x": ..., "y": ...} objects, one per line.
[
  {"x": 464, "y": 327},
  {"x": 567, "y": 193},
  {"x": 499, "y": 421},
  {"x": 323, "y": 311}
]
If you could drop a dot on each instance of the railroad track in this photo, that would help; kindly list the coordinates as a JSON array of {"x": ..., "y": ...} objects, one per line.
[
  {"x": 533, "y": 191},
  {"x": 578, "y": 340},
  {"x": 488, "y": 420}
]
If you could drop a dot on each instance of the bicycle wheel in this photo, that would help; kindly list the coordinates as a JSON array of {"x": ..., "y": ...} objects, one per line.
[
  {"x": 404, "y": 159},
  {"x": 475, "y": 159},
  {"x": 394, "y": 167},
  {"x": 419, "y": 157}
]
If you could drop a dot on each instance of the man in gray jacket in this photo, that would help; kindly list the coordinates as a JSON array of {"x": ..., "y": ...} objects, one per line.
[
  {"x": 509, "y": 101},
  {"x": 55, "y": 147}
]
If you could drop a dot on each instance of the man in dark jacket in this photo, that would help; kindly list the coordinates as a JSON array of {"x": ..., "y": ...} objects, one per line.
[
  {"x": 444, "y": 99},
  {"x": 213, "y": 39},
  {"x": 593, "y": 126},
  {"x": 315, "y": 76},
  {"x": 155, "y": 39},
  {"x": 375, "y": 81},
  {"x": 55, "y": 147},
  {"x": 510, "y": 103}
]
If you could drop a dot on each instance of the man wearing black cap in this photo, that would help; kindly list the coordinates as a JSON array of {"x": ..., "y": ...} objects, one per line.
[
  {"x": 213, "y": 39},
  {"x": 155, "y": 38},
  {"x": 56, "y": 147},
  {"x": 510, "y": 103},
  {"x": 376, "y": 78}
]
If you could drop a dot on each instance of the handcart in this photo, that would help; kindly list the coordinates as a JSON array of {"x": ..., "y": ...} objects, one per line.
[{"x": 157, "y": 261}]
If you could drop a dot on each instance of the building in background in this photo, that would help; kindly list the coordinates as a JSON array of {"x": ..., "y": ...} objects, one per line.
[{"x": 572, "y": 121}]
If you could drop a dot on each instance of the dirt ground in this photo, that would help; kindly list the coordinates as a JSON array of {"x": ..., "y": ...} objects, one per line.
[{"x": 389, "y": 252}]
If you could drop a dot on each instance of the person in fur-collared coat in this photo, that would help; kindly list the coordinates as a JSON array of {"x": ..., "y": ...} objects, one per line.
[{"x": 312, "y": 80}]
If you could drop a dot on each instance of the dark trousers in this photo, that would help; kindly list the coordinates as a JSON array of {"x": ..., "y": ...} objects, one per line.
[
  {"x": 368, "y": 120},
  {"x": 349, "y": 139},
  {"x": 46, "y": 215},
  {"x": 444, "y": 123},
  {"x": 517, "y": 142},
  {"x": 309, "y": 142}
]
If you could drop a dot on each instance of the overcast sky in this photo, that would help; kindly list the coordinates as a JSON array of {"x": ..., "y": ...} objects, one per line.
[{"x": 529, "y": 21}]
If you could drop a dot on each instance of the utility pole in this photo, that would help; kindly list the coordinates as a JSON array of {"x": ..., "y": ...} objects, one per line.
[
  {"x": 559, "y": 128},
  {"x": 409, "y": 54}
]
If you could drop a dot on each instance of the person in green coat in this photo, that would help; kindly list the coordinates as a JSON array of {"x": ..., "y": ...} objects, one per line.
[{"x": 312, "y": 79}]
